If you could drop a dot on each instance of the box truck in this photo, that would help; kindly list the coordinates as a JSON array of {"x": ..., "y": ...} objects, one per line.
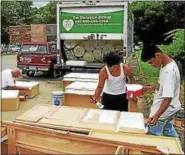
[{"x": 88, "y": 30}]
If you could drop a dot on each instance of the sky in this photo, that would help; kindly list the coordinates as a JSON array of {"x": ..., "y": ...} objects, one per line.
[{"x": 39, "y": 4}]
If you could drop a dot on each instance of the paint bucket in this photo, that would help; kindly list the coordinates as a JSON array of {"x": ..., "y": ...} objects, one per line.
[{"x": 57, "y": 97}]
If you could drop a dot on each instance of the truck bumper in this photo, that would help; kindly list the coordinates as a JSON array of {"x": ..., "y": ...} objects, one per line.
[{"x": 34, "y": 68}]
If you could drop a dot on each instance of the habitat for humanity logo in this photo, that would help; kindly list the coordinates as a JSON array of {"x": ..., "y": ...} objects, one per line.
[{"x": 68, "y": 24}]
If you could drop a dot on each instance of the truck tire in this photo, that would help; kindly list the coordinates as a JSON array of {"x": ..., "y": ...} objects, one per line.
[{"x": 30, "y": 74}]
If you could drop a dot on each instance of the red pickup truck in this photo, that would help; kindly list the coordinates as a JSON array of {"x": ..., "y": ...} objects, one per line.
[{"x": 37, "y": 56}]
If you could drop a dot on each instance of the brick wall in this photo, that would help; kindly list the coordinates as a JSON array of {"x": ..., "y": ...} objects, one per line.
[{"x": 19, "y": 34}]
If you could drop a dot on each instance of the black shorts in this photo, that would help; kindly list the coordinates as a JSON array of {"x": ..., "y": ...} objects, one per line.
[
  {"x": 115, "y": 102},
  {"x": 7, "y": 88}
]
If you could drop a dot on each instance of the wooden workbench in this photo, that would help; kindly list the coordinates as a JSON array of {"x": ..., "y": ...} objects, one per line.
[
  {"x": 24, "y": 139},
  {"x": 55, "y": 130}
]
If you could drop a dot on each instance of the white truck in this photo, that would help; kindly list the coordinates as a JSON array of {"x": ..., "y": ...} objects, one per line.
[{"x": 87, "y": 30}]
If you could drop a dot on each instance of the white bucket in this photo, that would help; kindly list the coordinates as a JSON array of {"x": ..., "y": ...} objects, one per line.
[{"x": 57, "y": 97}]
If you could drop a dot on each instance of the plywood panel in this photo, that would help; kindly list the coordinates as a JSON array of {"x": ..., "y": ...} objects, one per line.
[
  {"x": 35, "y": 113},
  {"x": 160, "y": 141},
  {"x": 3, "y": 132},
  {"x": 64, "y": 145},
  {"x": 4, "y": 148},
  {"x": 64, "y": 116},
  {"x": 76, "y": 100},
  {"x": 73, "y": 117},
  {"x": 27, "y": 150}
]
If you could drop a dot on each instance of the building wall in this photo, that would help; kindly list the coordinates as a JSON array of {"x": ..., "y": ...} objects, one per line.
[
  {"x": 32, "y": 33},
  {"x": 20, "y": 34}
]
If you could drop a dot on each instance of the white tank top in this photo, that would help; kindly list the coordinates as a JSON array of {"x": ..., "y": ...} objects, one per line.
[{"x": 115, "y": 85}]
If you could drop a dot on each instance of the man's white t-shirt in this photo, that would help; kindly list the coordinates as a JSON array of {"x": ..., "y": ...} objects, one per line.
[
  {"x": 169, "y": 86},
  {"x": 7, "y": 78}
]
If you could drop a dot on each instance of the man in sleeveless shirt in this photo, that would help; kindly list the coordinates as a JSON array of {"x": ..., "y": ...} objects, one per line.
[
  {"x": 166, "y": 101},
  {"x": 112, "y": 82}
]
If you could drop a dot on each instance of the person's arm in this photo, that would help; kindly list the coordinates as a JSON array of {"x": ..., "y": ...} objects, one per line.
[
  {"x": 19, "y": 88},
  {"x": 166, "y": 102},
  {"x": 149, "y": 89},
  {"x": 128, "y": 73},
  {"x": 11, "y": 84},
  {"x": 168, "y": 89},
  {"x": 101, "y": 82}
]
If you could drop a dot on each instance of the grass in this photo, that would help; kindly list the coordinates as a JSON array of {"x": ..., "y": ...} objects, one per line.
[
  {"x": 147, "y": 69},
  {"x": 148, "y": 74}
]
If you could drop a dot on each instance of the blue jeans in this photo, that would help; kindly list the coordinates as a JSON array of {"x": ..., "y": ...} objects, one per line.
[{"x": 163, "y": 128}]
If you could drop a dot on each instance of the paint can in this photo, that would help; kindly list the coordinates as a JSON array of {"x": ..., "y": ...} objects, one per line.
[{"x": 57, "y": 97}]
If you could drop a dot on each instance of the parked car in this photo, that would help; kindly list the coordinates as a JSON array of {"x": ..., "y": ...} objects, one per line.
[
  {"x": 3, "y": 49},
  {"x": 13, "y": 48}
]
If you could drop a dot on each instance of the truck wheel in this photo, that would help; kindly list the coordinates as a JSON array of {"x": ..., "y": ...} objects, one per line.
[{"x": 30, "y": 74}]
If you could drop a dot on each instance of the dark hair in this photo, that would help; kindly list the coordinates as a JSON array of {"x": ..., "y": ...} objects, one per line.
[
  {"x": 149, "y": 52},
  {"x": 112, "y": 59}
]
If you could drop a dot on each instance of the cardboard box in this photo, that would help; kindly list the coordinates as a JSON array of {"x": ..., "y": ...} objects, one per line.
[
  {"x": 32, "y": 86},
  {"x": 78, "y": 94},
  {"x": 10, "y": 100}
]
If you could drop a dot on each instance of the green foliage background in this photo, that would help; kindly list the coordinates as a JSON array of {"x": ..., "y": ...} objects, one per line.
[{"x": 176, "y": 48}]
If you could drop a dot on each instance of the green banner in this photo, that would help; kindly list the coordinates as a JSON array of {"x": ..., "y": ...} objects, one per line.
[{"x": 109, "y": 22}]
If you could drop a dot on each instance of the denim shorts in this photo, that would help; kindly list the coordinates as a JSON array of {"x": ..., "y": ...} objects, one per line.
[{"x": 163, "y": 127}]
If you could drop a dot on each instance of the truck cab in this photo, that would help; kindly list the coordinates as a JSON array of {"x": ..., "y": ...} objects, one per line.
[{"x": 37, "y": 57}]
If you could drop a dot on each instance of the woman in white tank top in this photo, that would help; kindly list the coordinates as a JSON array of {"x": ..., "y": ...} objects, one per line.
[{"x": 112, "y": 82}]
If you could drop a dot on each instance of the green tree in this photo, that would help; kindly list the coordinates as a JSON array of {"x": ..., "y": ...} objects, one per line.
[
  {"x": 174, "y": 15},
  {"x": 176, "y": 48},
  {"x": 14, "y": 13},
  {"x": 45, "y": 15},
  {"x": 148, "y": 20}
]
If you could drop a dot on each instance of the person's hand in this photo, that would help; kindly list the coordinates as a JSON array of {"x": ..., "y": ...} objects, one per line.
[
  {"x": 133, "y": 99},
  {"x": 93, "y": 99},
  {"x": 23, "y": 92},
  {"x": 26, "y": 89},
  {"x": 153, "y": 120},
  {"x": 148, "y": 88}
]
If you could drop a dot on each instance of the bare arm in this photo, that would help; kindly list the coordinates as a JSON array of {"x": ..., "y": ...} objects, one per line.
[
  {"x": 101, "y": 83},
  {"x": 128, "y": 73},
  {"x": 166, "y": 102},
  {"x": 19, "y": 88}
]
